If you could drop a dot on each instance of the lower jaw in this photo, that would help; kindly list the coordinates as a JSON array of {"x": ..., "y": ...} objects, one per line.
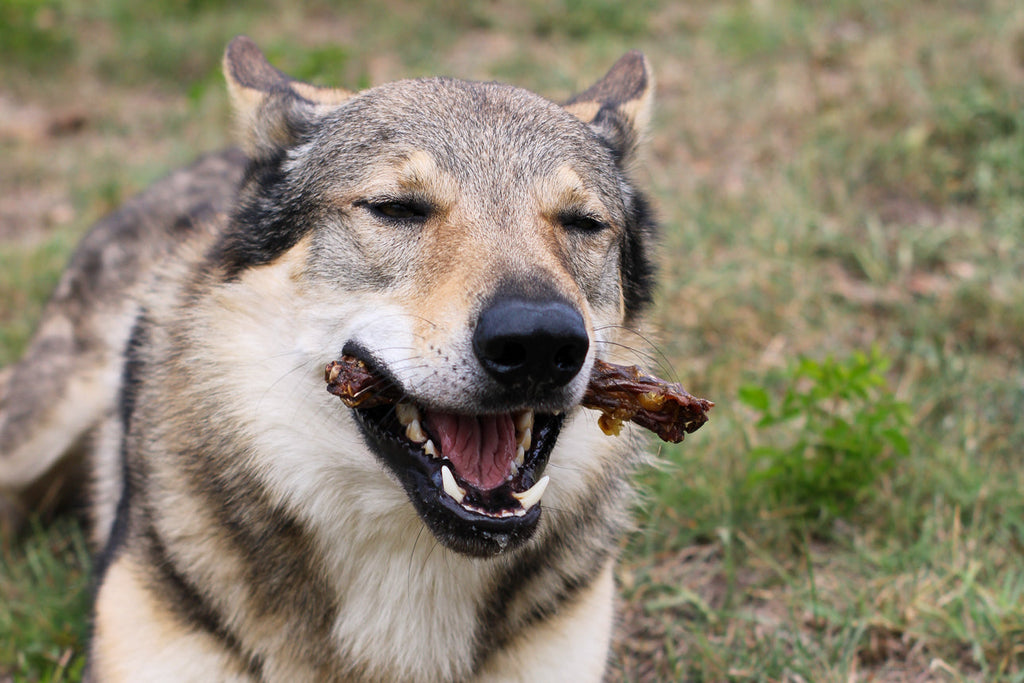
[
  {"x": 462, "y": 530},
  {"x": 465, "y": 531}
]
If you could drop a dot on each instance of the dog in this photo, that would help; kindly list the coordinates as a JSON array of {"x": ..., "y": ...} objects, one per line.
[{"x": 474, "y": 244}]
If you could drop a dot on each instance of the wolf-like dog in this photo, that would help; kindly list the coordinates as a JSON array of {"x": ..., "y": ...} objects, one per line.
[{"x": 474, "y": 244}]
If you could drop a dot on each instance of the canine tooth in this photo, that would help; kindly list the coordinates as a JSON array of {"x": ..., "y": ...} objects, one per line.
[
  {"x": 450, "y": 487},
  {"x": 407, "y": 413},
  {"x": 520, "y": 455},
  {"x": 524, "y": 420},
  {"x": 514, "y": 469},
  {"x": 414, "y": 432},
  {"x": 531, "y": 496},
  {"x": 430, "y": 449},
  {"x": 525, "y": 438}
]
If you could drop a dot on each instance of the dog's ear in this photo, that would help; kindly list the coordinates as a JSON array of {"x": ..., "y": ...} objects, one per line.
[
  {"x": 618, "y": 106},
  {"x": 272, "y": 109}
]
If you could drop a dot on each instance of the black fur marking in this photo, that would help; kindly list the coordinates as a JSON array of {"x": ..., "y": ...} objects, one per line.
[
  {"x": 119, "y": 531},
  {"x": 639, "y": 272},
  {"x": 266, "y": 223},
  {"x": 187, "y": 603},
  {"x": 280, "y": 563},
  {"x": 499, "y": 627},
  {"x": 131, "y": 372},
  {"x": 616, "y": 133}
]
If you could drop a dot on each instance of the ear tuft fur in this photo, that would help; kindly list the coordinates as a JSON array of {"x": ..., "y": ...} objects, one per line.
[
  {"x": 271, "y": 107},
  {"x": 618, "y": 106}
]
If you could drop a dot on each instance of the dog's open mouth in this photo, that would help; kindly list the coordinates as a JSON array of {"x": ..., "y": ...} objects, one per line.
[
  {"x": 489, "y": 466},
  {"x": 477, "y": 479}
]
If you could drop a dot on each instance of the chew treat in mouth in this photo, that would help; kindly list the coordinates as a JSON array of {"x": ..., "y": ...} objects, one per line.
[
  {"x": 622, "y": 393},
  {"x": 350, "y": 380}
]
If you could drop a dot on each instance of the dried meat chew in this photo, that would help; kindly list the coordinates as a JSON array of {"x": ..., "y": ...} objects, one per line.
[
  {"x": 620, "y": 392},
  {"x": 624, "y": 393},
  {"x": 350, "y": 380}
]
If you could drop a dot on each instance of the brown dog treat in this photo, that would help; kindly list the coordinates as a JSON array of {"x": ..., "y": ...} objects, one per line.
[
  {"x": 622, "y": 393},
  {"x": 350, "y": 380}
]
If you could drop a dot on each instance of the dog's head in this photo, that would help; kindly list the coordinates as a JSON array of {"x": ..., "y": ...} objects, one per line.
[{"x": 474, "y": 244}]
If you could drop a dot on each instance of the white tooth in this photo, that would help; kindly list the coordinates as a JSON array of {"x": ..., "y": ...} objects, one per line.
[
  {"x": 520, "y": 456},
  {"x": 525, "y": 438},
  {"x": 514, "y": 470},
  {"x": 430, "y": 449},
  {"x": 414, "y": 432},
  {"x": 407, "y": 413},
  {"x": 531, "y": 496},
  {"x": 450, "y": 487},
  {"x": 524, "y": 420}
]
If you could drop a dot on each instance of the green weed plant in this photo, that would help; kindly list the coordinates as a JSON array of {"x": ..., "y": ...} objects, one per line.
[{"x": 835, "y": 430}]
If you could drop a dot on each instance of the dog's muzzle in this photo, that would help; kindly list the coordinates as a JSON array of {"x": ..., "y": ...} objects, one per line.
[{"x": 477, "y": 479}]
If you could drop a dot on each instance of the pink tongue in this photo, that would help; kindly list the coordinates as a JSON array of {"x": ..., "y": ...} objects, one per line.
[{"x": 481, "y": 448}]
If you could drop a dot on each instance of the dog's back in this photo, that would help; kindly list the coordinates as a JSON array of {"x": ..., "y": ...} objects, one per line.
[{"x": 54, "y": 400}]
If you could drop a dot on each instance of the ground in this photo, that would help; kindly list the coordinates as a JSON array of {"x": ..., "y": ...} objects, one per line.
[{"x": 833, "y": 179}]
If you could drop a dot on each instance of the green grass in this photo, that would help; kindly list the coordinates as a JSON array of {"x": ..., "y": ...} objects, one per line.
[
  {"x": 27, "y": 276},
  {"x": 833, "y": 178},
  {"x": 44, "y": 582}
]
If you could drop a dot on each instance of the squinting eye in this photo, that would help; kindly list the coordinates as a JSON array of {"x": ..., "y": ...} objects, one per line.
[
  {"x": 395, "y": 210},
  {"x": 581, "y": 222},
  {"x": 398, "y": 211}
]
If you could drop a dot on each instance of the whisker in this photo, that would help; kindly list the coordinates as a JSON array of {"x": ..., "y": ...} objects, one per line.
[
  {"x": 664, "y": 363},
  {"x": 412, "y": 555},
  {"x": 643, "y": 356}
]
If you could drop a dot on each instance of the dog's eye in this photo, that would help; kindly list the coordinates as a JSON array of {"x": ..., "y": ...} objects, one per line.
[
  {"x": 581, "y": 222},
  {"x": 397, "y": 210}
]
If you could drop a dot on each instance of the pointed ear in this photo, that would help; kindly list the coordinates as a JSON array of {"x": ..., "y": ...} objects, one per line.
[
  {"x": 272, "y": 109},
  {"x": 618, "y": 106}
]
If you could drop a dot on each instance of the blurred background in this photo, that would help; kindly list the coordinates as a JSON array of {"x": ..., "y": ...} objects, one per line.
[{"x": 841, "y": 187}]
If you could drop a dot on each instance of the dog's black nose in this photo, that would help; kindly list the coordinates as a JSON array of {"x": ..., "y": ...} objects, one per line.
[{"x": 531, "y": 345}]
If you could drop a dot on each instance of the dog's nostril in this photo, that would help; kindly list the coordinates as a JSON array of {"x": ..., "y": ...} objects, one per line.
[
  {"x": 570, "y": 358},
  {"x": 531, "y": 345},
  {"x": 506, "y": 353}
]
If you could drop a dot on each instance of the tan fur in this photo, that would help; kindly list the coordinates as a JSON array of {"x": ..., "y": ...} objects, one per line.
[
  {"x": 571, "y": 646},
  {"x": 136, "y": 640}
]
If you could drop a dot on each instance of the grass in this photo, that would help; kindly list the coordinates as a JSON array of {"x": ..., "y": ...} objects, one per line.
[
  {"x": 832, "y": 177},
  {"x": 45, "y": 586}
]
